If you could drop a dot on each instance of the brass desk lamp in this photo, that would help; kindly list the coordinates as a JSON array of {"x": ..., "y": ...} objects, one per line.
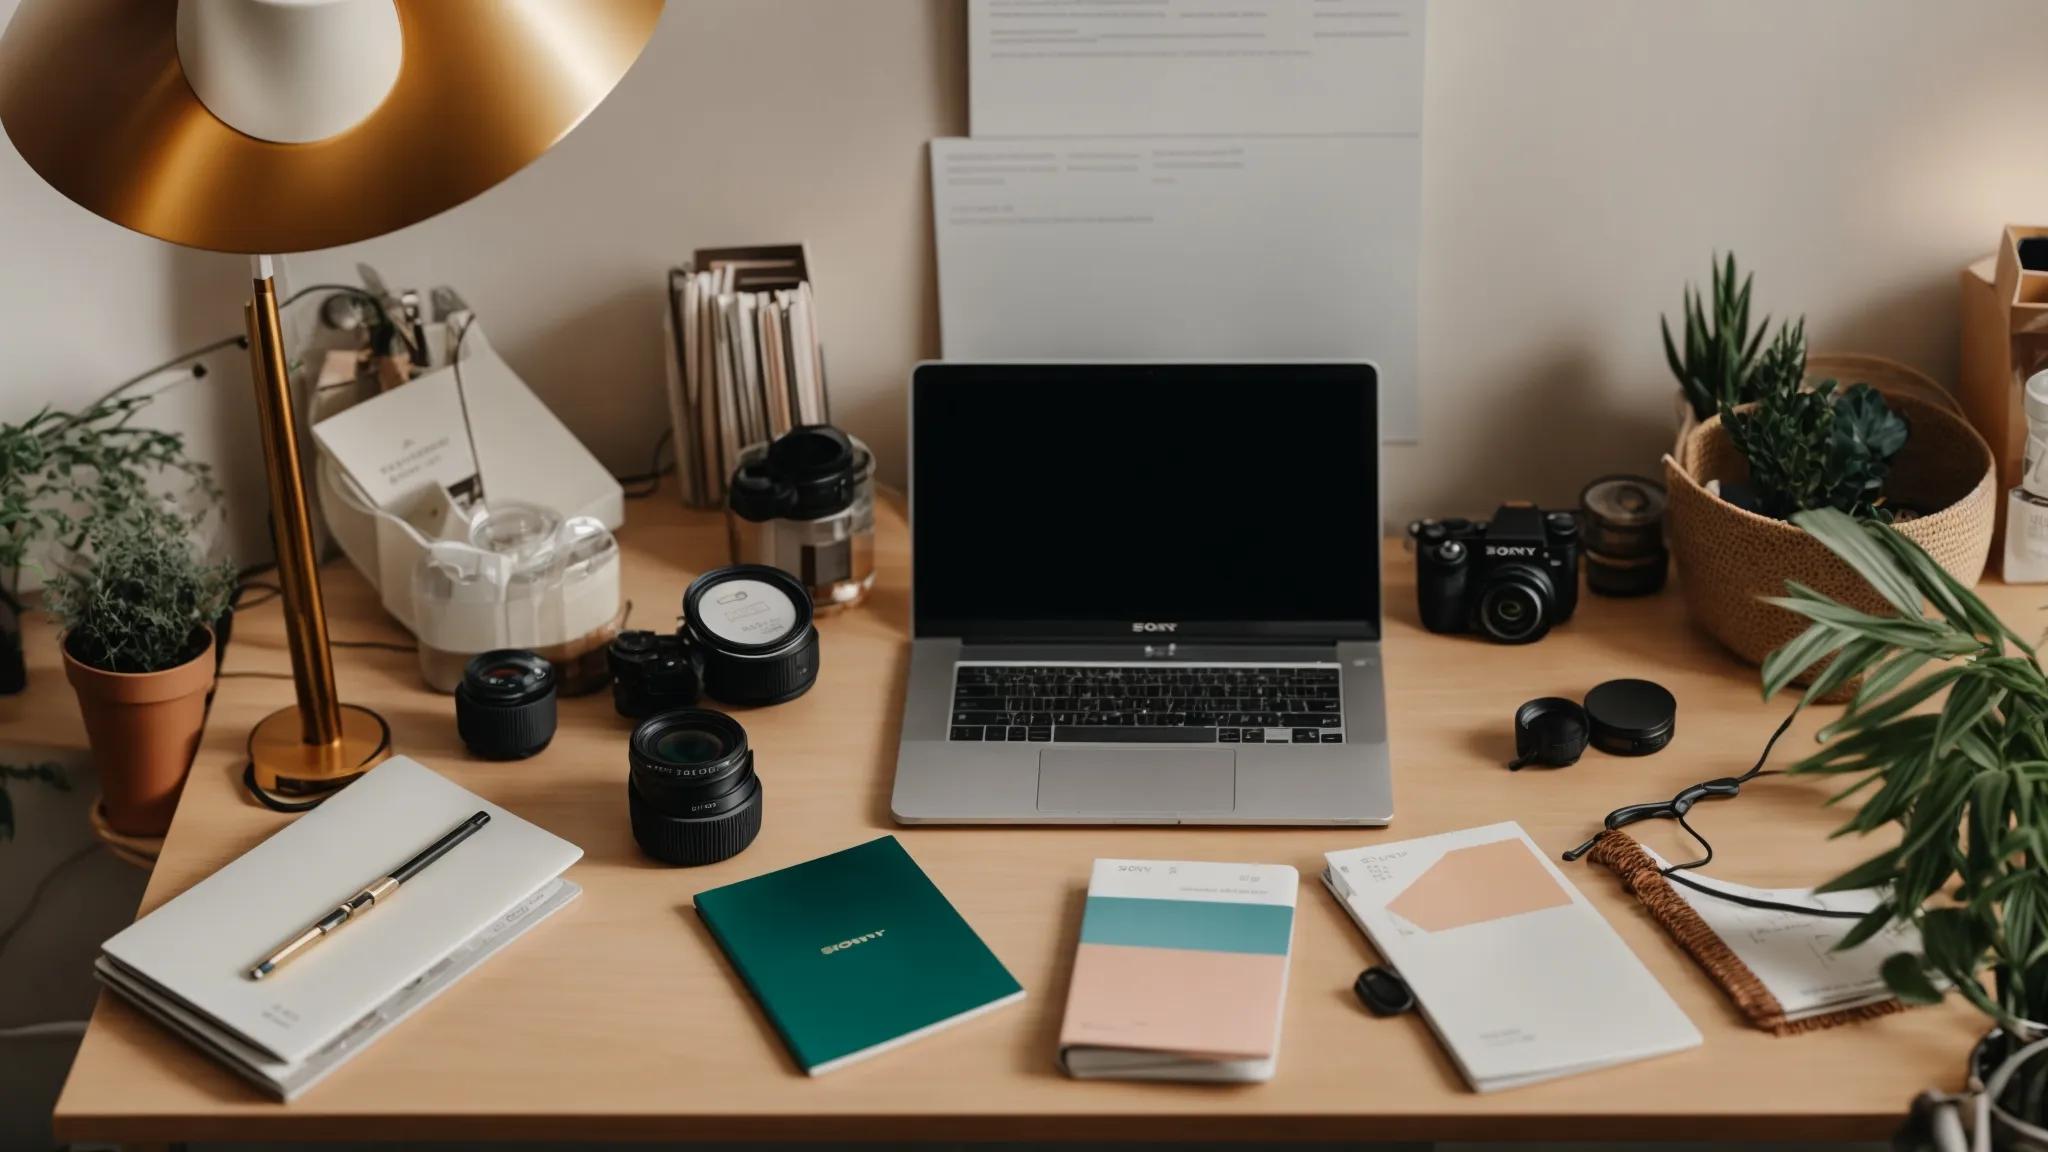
[{"x": 273, "y": 126}]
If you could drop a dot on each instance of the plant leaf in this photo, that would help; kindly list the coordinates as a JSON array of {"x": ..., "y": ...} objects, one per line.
[
  {"x": 1908, "y": 980},
  {"x": 1848, "y": 539}
]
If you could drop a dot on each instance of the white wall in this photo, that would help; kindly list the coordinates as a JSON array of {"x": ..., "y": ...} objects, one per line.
[{"x": 1584, "y": 158}]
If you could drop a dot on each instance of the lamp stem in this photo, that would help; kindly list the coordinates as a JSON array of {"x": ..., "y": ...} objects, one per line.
[{"x": 291, "y": 525}]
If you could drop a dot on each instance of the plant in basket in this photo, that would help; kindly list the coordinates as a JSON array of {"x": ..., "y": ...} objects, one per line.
[{"x": 1786, "y": 437}]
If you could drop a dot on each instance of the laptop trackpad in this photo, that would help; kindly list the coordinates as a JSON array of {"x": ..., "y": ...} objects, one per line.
[{"x": 1108, "y": 780}]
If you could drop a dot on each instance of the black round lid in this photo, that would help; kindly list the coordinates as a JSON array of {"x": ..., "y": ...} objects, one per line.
[
  {"x": 1631, "y": 712},
  {"x": 821, "y": 467}
]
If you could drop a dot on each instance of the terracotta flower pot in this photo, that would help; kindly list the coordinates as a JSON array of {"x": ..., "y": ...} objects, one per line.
[{"x": 143, "y": 728}]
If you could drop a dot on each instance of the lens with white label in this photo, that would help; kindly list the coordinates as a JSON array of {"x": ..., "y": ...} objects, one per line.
[{"x": 753, "y": 625}]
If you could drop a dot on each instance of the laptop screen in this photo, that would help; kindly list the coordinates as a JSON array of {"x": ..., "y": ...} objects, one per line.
[{"x": 1142, "y": 501}]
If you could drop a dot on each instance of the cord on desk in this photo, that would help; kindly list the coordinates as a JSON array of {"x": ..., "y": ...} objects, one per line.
[
  {"x": 645, "y": 484},
  {"x": 55, "y": 1029}
]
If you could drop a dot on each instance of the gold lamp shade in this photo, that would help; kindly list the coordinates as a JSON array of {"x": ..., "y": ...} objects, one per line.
[{"x": 93, "y": 96}]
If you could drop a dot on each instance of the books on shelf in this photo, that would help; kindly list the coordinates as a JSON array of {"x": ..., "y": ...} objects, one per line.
[
  {"x": 744, "y": 364},
  {"x": 186, "y": 964},
  {"x": 1181, "y": 971}
]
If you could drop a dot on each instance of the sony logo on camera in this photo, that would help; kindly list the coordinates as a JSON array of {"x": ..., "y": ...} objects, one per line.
[
  {"x": 1510, "y": 549},
  {"x": 843, "y": 945},
  {"x": 1151, "y": 626}
]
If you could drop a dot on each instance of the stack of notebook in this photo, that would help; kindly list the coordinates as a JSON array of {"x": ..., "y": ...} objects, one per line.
[
  {"x": 188, "y": 963},
  {"x": 743, "y": 357}
]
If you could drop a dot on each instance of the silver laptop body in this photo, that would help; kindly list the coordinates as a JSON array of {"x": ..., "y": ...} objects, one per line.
[{"x": 1145, "y": 594}]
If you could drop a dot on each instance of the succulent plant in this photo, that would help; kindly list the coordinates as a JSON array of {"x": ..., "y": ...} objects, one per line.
[
  {"x": 1822, "y": 446},
  {"x": 1720, "y": 356}
]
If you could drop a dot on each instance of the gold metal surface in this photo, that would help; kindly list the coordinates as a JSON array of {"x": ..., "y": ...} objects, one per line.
[
  {"x": 291, "y": 523},
  {"x": 283, "y": 763},
  {"x": 93, "y": 97}
]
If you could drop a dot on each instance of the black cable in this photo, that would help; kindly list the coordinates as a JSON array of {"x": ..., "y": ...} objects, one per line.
[
  {"x": 35, "y": 897},
  {"x": 272, "y": 802},
  {"x": 651, "y": 479},
  {"x": 380, "y": 645}
]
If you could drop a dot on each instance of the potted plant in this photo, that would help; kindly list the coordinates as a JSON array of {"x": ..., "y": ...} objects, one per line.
[
  {"x": 136, "y": 619},
  {"x": 1889, "y": 447},
  {"x": 1966, "y": 785},
  {"x": 58, "y": 471},
  {"x": 1718, "y": 363}
]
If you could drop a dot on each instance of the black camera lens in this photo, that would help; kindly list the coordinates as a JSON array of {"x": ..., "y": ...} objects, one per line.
[
  {"x": 1515, "y": 607},
  {"x": 752, "y": 623},
  {"x": 505, "y": 705},
  {"x": 691, "y": 789}
]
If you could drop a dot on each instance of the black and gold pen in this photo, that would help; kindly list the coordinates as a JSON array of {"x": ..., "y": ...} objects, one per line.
[{"x": 373, "y": 892}]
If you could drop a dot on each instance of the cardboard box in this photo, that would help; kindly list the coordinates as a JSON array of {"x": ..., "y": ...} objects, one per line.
[{"x": 2004, "y": 341}]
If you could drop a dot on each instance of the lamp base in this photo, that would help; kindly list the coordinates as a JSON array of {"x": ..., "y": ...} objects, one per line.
[{"x": 281, "y": 762}]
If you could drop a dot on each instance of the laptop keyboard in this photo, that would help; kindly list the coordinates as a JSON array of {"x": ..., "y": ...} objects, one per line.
[{"x": 1149, "y": 704}]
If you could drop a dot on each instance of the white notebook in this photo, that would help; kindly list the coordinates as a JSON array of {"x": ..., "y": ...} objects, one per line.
[
  {"x": 187, "y": 963},
  {"x": 1517, "y": 972}
]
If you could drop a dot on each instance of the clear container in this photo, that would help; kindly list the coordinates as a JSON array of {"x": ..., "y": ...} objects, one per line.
[
  {"x": 833, "y": 554},
  {"x": 525, "y": 578},
  {"x": 2026, "y": 507}
]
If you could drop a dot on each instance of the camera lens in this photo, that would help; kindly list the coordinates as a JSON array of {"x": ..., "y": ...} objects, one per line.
[
  {"x": 691, "y": 789},
  {"x": 653, "y": 673},
  {"x": 505, "y": 705},
  {"x": 753, "y": 625},
  {"x": 1515, "y": 608}
]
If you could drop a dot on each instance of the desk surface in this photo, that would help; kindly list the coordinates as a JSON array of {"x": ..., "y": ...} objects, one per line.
[{"x": 620, "y": 1020}]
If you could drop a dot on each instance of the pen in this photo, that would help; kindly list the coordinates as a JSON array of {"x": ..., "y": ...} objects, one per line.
[{"x": 376, "y": 890}]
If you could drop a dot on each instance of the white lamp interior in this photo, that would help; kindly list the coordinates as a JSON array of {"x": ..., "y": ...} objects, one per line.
[{"x": 290, "y": 71}]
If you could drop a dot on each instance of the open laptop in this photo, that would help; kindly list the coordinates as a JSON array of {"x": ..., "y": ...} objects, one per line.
[{"x": 1144, "y": 594}]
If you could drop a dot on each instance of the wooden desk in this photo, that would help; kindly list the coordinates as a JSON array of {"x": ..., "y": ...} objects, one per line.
[{"x": 620, "y": 1020}]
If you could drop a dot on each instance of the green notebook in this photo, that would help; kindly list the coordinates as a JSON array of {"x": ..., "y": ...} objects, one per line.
[{"x": 854, "y": 953}]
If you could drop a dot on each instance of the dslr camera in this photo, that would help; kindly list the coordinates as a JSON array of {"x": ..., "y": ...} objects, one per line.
[{"x": 1509, "y": 578}]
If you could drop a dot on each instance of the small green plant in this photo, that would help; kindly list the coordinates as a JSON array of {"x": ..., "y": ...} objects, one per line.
[
  {"x": 139, "y": 601},
  {"x": 1822, "y": 446},
  {"x": 1967, "y": 785},
  {"x": 46, "y": 772},
  {"x": 1717, "y": 368},
  {"x": 59, "y": 471}
]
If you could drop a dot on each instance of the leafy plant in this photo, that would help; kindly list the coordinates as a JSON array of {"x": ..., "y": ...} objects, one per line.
[
  {"x": 47, "y": 772},
  {"x": 1818, "y": 447},
  {"x": 1717, "y": 367},
  {"x": 59, "y": 471},
  {"x": 138, "y": 603},
  {"x": 1967, "y": 785}
]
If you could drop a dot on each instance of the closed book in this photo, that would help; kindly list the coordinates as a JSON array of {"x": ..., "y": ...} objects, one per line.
[
  {"x": 1181, "y": 973},
  {"x": 1519, "y": 975},
  {"x": 187, "y": 963},
  {"x": 854, "y": 953}
]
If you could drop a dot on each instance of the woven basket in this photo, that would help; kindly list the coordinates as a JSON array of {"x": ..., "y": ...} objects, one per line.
[{"x": 1728, "y": 557}]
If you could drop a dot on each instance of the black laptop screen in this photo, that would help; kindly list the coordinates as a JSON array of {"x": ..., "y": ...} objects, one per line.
[{"x": 1064, "y": 501}]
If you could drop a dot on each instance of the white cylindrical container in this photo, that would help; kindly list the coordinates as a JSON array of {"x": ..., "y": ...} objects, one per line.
[{"x": 2026, "y": 507}]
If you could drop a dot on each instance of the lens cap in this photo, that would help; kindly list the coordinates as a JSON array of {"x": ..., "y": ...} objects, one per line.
[
  {"x": 810, "y": 472},
  {"x": 1549, "y": 730},
  {"x": 1631, "y": 717}
]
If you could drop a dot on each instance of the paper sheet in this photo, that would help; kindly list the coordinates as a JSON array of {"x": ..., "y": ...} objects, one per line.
[
  {"x": 1795, "y": 955},
  {"x": 1241, "y": 249},
  {"x": 1194, "y": 67}
]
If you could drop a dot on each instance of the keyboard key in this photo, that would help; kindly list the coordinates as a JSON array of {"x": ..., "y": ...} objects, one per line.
[
  {"x": 1039, "y": 733},
  {"x": 1084, "y": 734},
  {"x": 1255, "y": 736},
  {"x": 1311, "y": 720},
  {"x": 1332, "y": 737},
  {"x": 969, "y": 732},
  {"x": 996, "y": 732},
  {"x": 981, "y": 718},
  {"x": 1226, "y": 735},
  {"x": 1017, "y": 732},
  {"x": 1305, "y": 735}
]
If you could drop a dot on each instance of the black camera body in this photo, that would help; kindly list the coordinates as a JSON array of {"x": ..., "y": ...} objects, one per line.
[
  {"x": 1509, "y": 579},
  {"x": 653, "y": 672}
]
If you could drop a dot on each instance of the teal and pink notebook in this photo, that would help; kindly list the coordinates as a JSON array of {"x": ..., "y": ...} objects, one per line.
[{"x": 1181, "y": 972}]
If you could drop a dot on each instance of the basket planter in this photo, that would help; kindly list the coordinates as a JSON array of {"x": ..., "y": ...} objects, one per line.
[{"x": 1729, "y": 557}]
